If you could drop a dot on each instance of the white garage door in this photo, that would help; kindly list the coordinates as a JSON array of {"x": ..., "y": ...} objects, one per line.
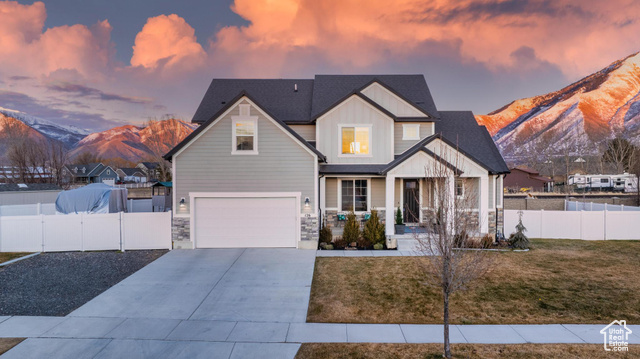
[{"x": 222, "y": 222}]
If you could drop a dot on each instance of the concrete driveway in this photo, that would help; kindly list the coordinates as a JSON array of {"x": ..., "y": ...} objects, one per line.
[{"x": 235, "y": 285}]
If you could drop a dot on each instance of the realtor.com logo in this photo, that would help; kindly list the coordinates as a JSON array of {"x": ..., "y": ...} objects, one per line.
[{"x": 616, "y": 336}]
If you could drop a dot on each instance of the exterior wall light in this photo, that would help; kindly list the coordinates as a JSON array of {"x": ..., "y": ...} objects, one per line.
[{"x": 182, "y": 205}]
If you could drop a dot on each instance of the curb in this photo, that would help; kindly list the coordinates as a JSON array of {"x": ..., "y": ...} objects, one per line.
[{"x": 19, "y": 259}]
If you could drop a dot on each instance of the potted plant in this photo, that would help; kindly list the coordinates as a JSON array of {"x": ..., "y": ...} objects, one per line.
[{"x": 399, "y": 222}]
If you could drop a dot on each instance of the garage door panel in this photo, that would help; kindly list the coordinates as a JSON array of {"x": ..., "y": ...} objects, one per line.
[{"x": 245, "y": 222}]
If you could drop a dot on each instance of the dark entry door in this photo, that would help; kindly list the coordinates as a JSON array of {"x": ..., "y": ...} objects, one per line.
[{"x": 411, "y": 201}]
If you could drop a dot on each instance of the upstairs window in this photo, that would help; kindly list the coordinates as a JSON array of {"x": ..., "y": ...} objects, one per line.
[
  {"x": 355, "y": 140},
  {"x": 459, "y": 188},
  {"x": 245, "y": 132},
  {"x": 411, "y": 131}
]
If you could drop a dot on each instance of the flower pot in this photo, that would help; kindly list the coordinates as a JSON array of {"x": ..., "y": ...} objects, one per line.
[{"x": 399, "y": 228}]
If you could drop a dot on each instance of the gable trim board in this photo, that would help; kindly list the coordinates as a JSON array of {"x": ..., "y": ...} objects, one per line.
[{"x": 224, "y": 111}]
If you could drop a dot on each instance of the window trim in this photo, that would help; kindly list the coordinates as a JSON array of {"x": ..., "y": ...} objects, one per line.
[
  {"x": 369, "y": 127},
  {"x": 461, "y": 181},
  {"x": 405, "y": 126},
  {"x": 353, "y": 179},
  {"x": 234, "y": 136}
]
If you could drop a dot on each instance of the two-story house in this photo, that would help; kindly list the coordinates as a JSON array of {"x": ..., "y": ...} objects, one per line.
[
  {"x": 272, "y": 158},
  {"x": 90, "y": 173}
]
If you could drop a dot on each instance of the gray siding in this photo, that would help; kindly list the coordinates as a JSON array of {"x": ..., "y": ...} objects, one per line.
[
  {"x": 398, "y": 191},
  {"x": 378, "y": 186},
  {"x": 355, "y": 112},
  {"x": 491, "y": 191},
  {"x": 282, "y": 165},
  {"x": 400, "y": 145},
  {"x": 308, "y": 132},
  {"x": 331, "y": 199}
]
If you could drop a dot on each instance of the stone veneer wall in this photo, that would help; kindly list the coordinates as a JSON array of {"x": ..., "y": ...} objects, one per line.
[
  {"x": 309, "y": 229},
  {"x": 331, "y": 220},
  {"x": 181, "y": 229}
]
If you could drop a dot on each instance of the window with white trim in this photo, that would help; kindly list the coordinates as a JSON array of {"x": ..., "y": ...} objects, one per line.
[
  {"x": 355, "y": 140},
  {"x": 354, "y": 195},
  {"x": 459, "y": 188},
  {"x": 245, "y": 132},
  {"x": 411, "y": 131}
]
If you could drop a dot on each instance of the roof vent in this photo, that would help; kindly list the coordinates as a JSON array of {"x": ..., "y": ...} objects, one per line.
[{"x": 295, "y": 87}]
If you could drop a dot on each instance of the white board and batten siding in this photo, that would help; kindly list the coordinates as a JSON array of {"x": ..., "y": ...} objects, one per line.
[
  {"x": 355, "y": 111},
  {"x": 85, "y": 232},
  {"x": 390, "y": 102},
  {"x": 207, "y": 165}
]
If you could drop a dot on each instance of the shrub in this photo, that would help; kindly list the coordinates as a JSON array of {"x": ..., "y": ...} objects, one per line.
[
  {"x": 351, "y": 231},
  {"x": 519, "y": 240},
  {"x": 399, "y": 219},
  {"x": 326, "y": 236},
  {"x": 339, "y": 243},
  {"x": 378, "y": 246},
  {"x": 487, "y": 241},
  {"x": 460, "y": 240},
  {"x": 373, "y": 230}
]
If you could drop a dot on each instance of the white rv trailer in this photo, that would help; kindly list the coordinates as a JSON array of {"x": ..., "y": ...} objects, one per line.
[{"x": 620, "y": 183}]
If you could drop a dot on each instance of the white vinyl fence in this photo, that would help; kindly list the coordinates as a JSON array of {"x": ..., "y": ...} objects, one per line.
[
  {"x": 589, "y": 225},
  {"x": 590, "y": 206},
  {"x": 133, "y": 206},
  {"x": 85, "y": 232}
]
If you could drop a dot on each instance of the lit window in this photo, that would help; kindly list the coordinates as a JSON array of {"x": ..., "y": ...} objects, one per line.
[
  {"x": 354, "y": 195},
  {"x": 245, "y": 132},
  {"x": 411, "y": 131},
  {"x": 355, "y": 140}
]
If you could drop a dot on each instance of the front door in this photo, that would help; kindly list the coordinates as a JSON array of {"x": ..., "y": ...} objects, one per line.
[{"x": 411, "y": 201}]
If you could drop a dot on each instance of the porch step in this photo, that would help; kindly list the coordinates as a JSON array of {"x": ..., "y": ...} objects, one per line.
[
  {"x": 308, "y": 244},
  {"x": 182, "y": 245},
  {"x": 406, "y": 243}
]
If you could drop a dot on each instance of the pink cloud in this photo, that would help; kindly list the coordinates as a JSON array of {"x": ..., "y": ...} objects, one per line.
[{"x": 168, "y": 39}]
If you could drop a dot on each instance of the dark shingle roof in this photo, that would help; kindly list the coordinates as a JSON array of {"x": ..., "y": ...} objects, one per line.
[
  {"x": 276, "y": 96},
  {"x": 29, "y": 187},
  {"x": 329, "y": 89},
  {"x": 351, "y": 169},
  {"x": 312, "y": 98},
  {"x": 131, "y": 171},
  {"x": 461, "y": 128}
]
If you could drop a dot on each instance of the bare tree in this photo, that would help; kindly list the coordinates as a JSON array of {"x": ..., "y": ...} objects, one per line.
[
  {"x": 619, "y": 153},
  {"x": 451, "y": 226}
]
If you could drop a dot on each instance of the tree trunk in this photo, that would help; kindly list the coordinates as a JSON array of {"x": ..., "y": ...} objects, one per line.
[{"x": 447, "y": 345}]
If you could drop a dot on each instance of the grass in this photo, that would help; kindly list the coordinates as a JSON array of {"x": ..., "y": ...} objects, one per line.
[
  {"x": 4, "y": 257},
  {"x": 518, "y": 351},
  {"x": 559, "y": 281},
  {"x": 8, "y": 343}
]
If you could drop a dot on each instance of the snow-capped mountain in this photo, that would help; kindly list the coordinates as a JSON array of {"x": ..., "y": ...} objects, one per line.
[
  {"x": 134, "y": 143},
  {"x": 69, "y": 135},
  {"x": 596, "y": 108}
]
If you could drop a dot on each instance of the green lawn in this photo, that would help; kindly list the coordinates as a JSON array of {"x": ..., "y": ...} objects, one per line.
[
  {"x": 559, "y": 281},
  {"x": 9, "y": 256}
]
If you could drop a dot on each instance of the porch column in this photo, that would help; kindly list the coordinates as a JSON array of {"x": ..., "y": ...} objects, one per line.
[
  {"x": 323, "y": 195},
  {"x": 390, "y": 191},
  {"x": 483, "y": 211}
]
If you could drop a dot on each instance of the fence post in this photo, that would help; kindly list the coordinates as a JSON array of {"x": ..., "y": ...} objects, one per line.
[
  {"x": 121, "y": 218},
  {"x": 42, "y": 230},
  {"x": 622, "y": 207},
  {"x": 81, "y": 232},
  {"x": 591, "y": 206},
  {"x": 581, "y": 216},
  {"x": 39, "y": 208},
  {"x": 606, "y": 214},
  {"x": 541, "y": 221}
]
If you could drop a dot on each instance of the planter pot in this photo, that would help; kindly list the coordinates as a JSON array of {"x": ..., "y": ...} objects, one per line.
[{"x": 399, "y": 228}]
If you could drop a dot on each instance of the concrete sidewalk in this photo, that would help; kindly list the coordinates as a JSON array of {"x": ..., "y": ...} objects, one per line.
[{"x": 63, "y": 337}]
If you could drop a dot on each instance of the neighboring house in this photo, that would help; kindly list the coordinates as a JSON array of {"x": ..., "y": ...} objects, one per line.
[
  {"x": 131, "y": 175},
  {"x": 9, "y": 174},
  {"x": 523, "y": 177},
  {"x": 271, "y": 158},
  {"x": 29, "y": 193},
  {"x": 91, "y": 173},
  {"x": 151, "y": 169}
]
